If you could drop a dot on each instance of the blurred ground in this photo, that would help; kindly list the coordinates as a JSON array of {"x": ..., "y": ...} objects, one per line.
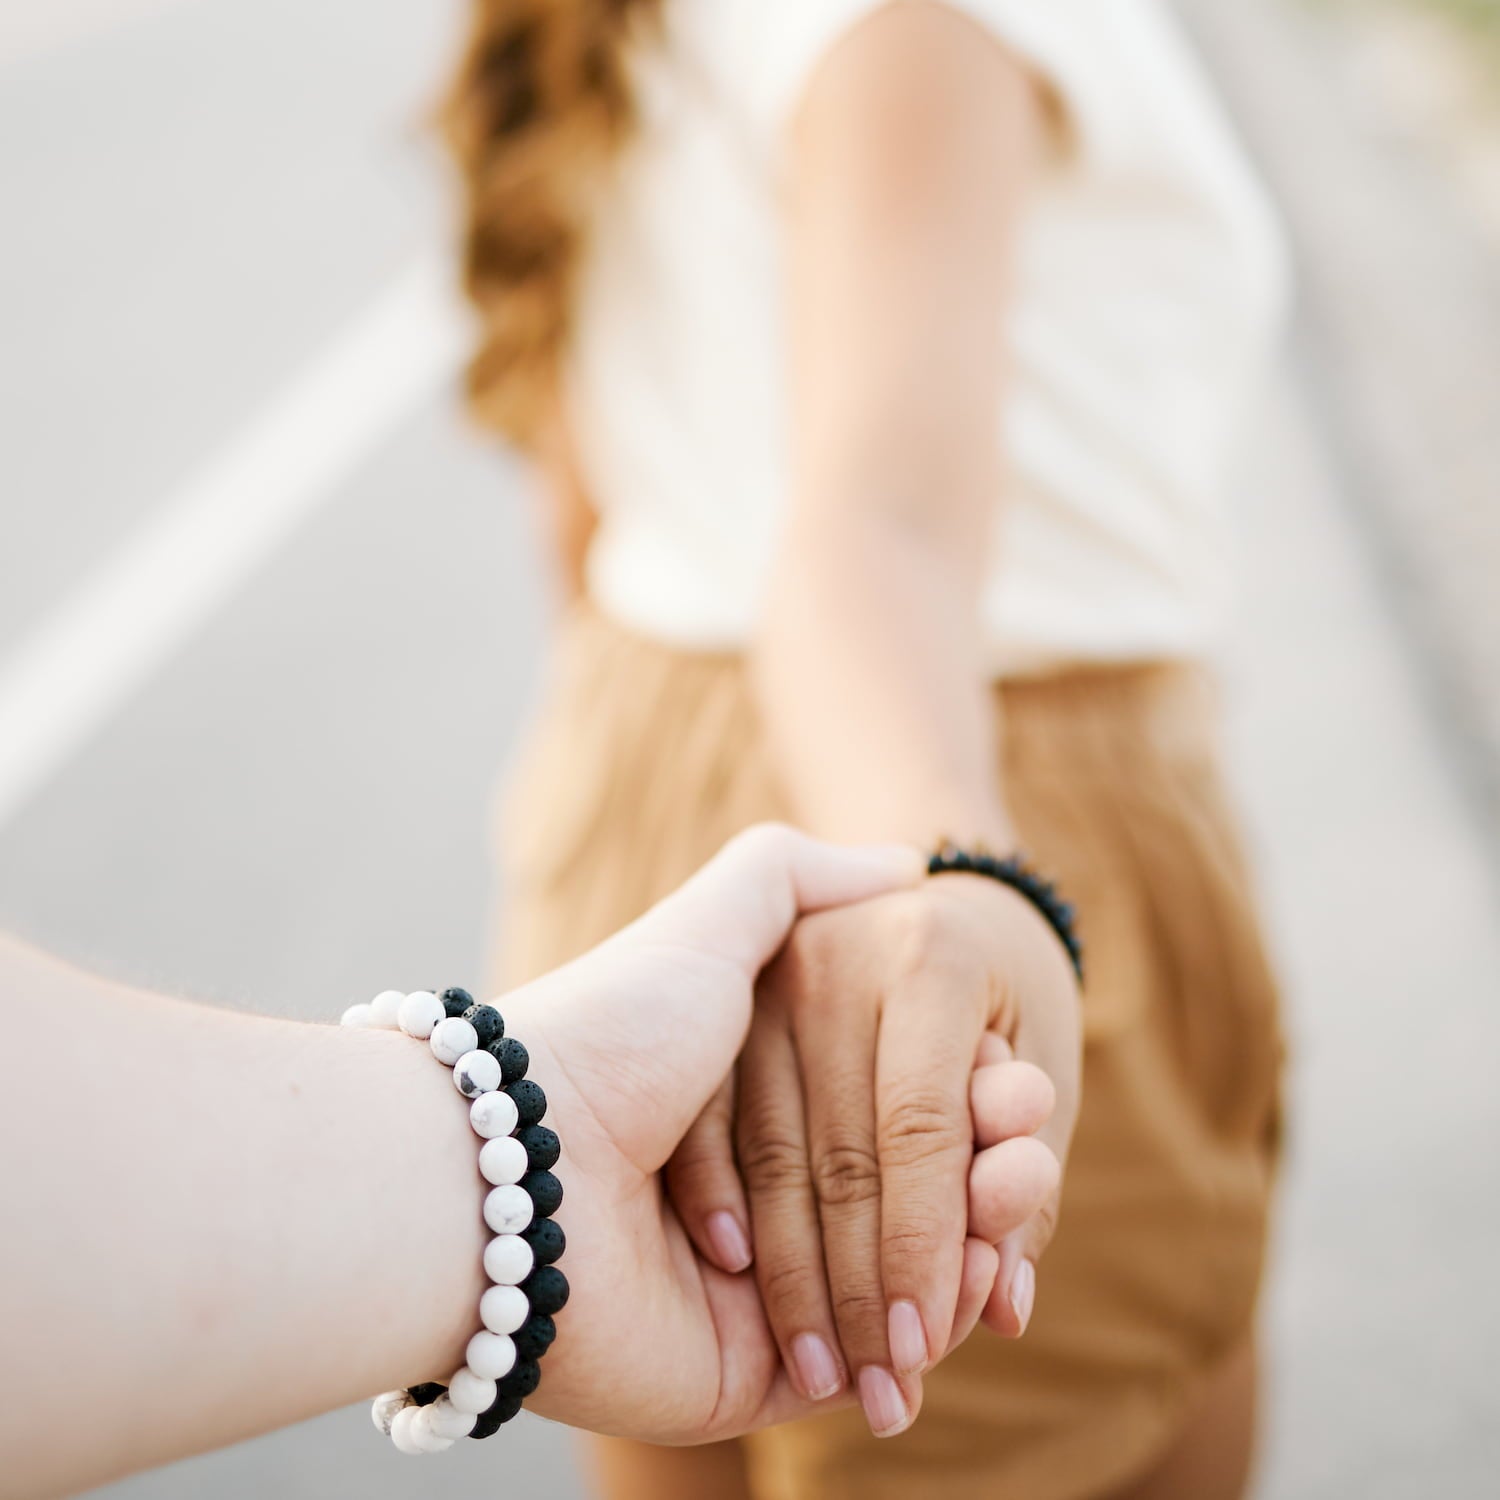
[{"x": 286, "y": 806}]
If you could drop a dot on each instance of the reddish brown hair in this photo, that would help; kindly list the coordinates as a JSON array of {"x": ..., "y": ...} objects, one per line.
[{"x": 538, "y": 107}]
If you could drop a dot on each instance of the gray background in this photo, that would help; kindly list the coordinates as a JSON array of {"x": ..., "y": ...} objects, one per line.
[{"x": 294, "y": 806}]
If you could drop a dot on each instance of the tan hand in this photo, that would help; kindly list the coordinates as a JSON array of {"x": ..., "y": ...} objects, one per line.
[{"x": 891, "y": 1036}]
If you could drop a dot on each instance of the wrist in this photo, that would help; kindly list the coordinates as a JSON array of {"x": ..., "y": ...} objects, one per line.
[
  {"x": 1030, "y": 921},
  {"x": 508, "y": 1326}
]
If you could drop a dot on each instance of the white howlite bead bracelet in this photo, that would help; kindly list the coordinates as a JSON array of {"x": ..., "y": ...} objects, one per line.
[
  {"x": 515, "y": 1158},
  {"x": 508, "y": 1260},
  {"x": 503, "y": 1161},
  {"x": 503, "y": 1308}
]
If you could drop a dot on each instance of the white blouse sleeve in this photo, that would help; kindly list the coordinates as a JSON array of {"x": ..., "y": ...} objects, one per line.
[{"x": 776, "y": 46}]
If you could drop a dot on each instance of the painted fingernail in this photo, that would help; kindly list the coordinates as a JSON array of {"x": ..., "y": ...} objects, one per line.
[
  {"x": 1023, "y": 1293},
  {"x": 731, "y": 1243},
  {"x": 817, "y": 1370},
  {"x": 908, "y": 1340},
  {"x": 884, "y": 1405}
]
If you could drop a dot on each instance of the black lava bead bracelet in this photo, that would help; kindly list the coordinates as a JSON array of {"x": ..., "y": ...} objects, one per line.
[
  {"x": 502, "y": 1362},
  {"x": 1013, "y": 871}
]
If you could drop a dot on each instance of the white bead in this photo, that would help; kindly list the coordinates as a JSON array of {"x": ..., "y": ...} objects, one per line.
[
  {"x": 470, "y": 1392},
  {"x": 494, "y": 1115},
  {"x": 426, "y": 1436},
  {"x": 508, "y": 1261},
  {"x": 446, "y": 1420},
  {"x": 357, "y": 1015},
  {"x": 419, "y": 1013},
  {"x": 490, "y": 1355},
  {"x": 503, "y": 1309},
  {"x": 384, "y": 1408},
  {"x": 502, "y": 1160},
  {"x": 476, "y": 1073},
  {"x": 403, "y": 1434},
  {"x": 385, "y": 1008},
  {"x": 508, "y": 1209},
  {"x": 451, "y": 1038}
]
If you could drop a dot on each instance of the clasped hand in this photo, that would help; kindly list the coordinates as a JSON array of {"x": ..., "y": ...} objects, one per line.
[{"x": 816, "y": 1109}]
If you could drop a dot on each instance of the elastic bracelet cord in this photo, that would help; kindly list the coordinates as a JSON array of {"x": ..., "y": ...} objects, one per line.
[
  {"x": 502, "y": 1362},
  {"x": 1014, "y": 871}
]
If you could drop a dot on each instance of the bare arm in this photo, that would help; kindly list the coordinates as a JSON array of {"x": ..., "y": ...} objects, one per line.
[
  {"x": 912, "y": 153},
  {"x": 218, "y": 1223}
]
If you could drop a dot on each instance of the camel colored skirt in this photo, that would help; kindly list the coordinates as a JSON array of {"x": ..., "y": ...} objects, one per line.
[{"x": 643, "y": 762}]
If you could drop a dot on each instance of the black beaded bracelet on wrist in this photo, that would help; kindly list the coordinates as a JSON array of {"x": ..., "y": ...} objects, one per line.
[
  {"x": 502, "y": 1362},
  {"x": 1013, "y": 871}
]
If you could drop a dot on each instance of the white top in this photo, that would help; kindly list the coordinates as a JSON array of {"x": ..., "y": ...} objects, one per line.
[{"x": 1149, "y": 290}]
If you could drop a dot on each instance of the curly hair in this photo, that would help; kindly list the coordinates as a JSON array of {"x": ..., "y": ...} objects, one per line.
[{"x": 537, "y": 109}]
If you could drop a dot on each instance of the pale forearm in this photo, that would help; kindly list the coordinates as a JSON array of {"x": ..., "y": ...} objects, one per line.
[{"x": 218, "y": 1224}]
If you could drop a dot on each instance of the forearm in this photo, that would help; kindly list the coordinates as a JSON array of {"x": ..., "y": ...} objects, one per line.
[
  {"x": 873, "y": 687},
  {"x": 913, "y": 149},
  {"x": 219, "y": 1224}
]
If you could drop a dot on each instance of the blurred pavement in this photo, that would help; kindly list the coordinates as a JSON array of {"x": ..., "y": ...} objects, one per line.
[{"x": 292, "y": 810}]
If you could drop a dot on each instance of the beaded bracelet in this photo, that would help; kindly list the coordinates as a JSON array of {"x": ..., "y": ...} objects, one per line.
[
  {"x": 501, "y": 1364},
  {"x": 1019, "y": 876}
]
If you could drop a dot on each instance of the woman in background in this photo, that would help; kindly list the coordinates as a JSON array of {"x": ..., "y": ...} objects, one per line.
[{"x": 882, "y": 361}]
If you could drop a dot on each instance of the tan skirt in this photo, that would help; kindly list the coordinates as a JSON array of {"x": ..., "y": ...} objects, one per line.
[{"x": 646, "y": 759}]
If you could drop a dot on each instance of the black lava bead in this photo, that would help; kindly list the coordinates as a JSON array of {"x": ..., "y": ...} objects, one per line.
[
  {"x": 542, "y": 1147},
  {"x": 490, "y": 1422},
  {"x": 546, "y": 1239},
  {"x": 522, "y": 1380},
  {"x": 534, "y": 1337},
  {"x": 530, "y": 1101},
  {"x": 487, "y": 1024},
  {"x": 513, "y": 1059},
  {"x": 546, "y": 1193},
  {"x": 425, "y": 1395},
  {"x": 456, "y": 1001},
  {"x": 547, "y": 1289}
]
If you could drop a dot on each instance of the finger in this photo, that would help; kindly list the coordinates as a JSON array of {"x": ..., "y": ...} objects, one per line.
[
  {"x": 1050, "y": 1037},
  {"x": 836, "y": 1045},
  {"x": 926, "y": 1143},
  {"x": 1009, "y": 1309},
  {"x": 1007, "y": 1099},
  {"x": 993, "y": 1048},
  {"x": 771, "y": 1137},
  {"x": 981, "y": 1266},
  {"x": 703, "y": 1181},
  {"x": 1009, "y": 1185},
  {"x": 741, "y": 905}
]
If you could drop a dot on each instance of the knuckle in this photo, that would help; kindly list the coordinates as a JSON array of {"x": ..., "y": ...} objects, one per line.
[
  {"x": 917, "y": 1238},
  {"x": 914, "y": 1242},
  {"x": 772, "y": 1163},
  {"x": 922, "y": 1125},
  {"x": 858, "y": 1305},
  {"x": 700, "y": 1157},
  {"x": 785, "y": 1286},
  {"x": 845, "y": 1174},
  {"x": 764, "y": 844}
]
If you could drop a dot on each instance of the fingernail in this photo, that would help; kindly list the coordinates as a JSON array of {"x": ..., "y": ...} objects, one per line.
[
  {"x": 884, "y": 1405},
  {"x": 1023, "y": 1293},
  {"x": 908, "y": 1340},
  {"x": 731, "y": 1243},
  {"x": 817, "y": 1369}
]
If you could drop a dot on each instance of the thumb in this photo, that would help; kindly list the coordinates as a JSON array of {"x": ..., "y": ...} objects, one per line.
[{"x": 743, "y": 903}]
